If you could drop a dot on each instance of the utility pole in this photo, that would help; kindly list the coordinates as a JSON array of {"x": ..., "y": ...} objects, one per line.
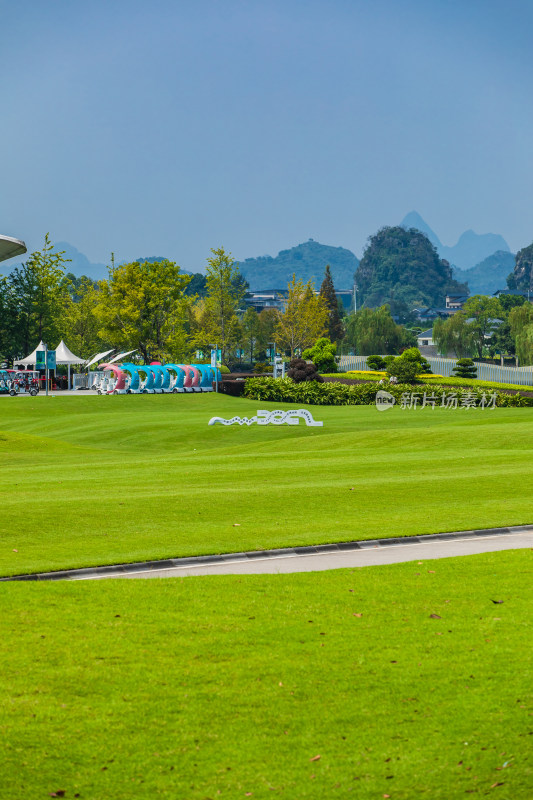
[
  {"x": 355, "y": 298},
  {"x": 46, "y": 367}
]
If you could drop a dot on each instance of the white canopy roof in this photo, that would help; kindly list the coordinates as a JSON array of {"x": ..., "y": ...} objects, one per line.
[
  {"x": 97, "y": 357},
  {"x": 65, "y": 356},
  {"x": 121, "y": 356},
  {"x": 31, "y": 359},
  {"x": 9, "y": 248}
]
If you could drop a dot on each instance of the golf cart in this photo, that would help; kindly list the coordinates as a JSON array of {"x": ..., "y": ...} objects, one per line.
[{"x": 23, "y": 382}]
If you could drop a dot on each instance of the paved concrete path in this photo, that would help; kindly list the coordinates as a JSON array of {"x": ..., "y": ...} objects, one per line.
[{"x": 392, "y": 554}]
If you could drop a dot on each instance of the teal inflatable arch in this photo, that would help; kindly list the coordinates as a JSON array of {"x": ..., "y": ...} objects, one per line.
[{"x": 164, "y": 378}]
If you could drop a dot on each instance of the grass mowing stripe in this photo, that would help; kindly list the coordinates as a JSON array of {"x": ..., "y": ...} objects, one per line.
[
  {"x": 190, "y": 687},
  {"x": 97, "y": 480}
]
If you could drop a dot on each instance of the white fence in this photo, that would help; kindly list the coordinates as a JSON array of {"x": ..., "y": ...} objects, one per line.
[
  {"x": 523, "y": 376},
  {"x": 79, "y": 381}
]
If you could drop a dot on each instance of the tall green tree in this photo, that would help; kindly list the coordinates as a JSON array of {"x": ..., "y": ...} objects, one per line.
[
  {"x": 33, "y": 301},
  {"x": 327, "y": 292},
  {"x": 483, "y": 312},
  {"x": 81, "y": 324},
  {"x": 251, "y": 327},
  {"x": 225, "y": 291},
  {"x": 143, "y": 306},
  {"x": 304, "y": 319}
]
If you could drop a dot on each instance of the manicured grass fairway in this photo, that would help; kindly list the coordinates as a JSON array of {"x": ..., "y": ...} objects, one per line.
[
  {"x": 230, "y": 686},
  {"x": 95, "y": 480}
]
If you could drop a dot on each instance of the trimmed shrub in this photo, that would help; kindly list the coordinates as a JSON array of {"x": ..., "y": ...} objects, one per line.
[
  {"x": 340, "y": 394},
  {"x": 300, "y": 371},
  {"x": 465, "y": 368},
  {"x": 407, "y": 366},
  {"x": 322, "y": 354},
  {"x": 224, "y": 370},
  {"x": 234, "y": 388},
  {"x": 404, "y": 370},
  {"x": 262, "y": 366},
  {"x": 376, "y": 363}
]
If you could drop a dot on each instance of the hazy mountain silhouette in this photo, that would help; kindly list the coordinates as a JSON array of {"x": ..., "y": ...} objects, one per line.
[
  {"x": 308, "y": 261},
  {"x": 79, "y": 263},
  {"x": 489, "y": 275},
  {"x": 471, "y": 249}
]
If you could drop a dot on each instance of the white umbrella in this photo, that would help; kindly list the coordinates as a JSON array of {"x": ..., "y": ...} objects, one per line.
[
  {"x": 98, "y": 357},
  {"x": 121, "y": 356}
]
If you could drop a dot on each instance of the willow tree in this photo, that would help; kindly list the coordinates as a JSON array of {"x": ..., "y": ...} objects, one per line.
[
  {"x": 521, "y": 326},
  {"x": 372, "y": 331},
  {"x": 455, "y": 335}
]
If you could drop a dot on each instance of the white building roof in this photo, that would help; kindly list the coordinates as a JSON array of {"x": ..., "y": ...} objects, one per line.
[{"x": 9, "y": 247}]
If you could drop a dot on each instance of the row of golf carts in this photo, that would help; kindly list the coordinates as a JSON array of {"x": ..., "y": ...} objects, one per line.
[
  {"x": 153, "y": 378},
  {"x": 14, "y": 381}
]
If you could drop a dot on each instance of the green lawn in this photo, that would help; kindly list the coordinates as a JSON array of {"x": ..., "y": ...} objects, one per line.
[
  {"x": 95, "y": 480},
  {"x": 326, "y": 685}
]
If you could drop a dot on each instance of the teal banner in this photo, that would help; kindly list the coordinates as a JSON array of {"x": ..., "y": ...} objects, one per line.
[{"x": 40, "y": 359}]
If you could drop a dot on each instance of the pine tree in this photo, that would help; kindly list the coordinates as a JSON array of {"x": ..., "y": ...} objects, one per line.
[{"x": 327, "y": 291}]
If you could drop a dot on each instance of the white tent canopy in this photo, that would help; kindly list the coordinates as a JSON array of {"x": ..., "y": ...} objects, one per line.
[
  {"x": 32, "y": 358},
  {"x": 63, "y": 355},
  {"x": 66, "y": 356}
]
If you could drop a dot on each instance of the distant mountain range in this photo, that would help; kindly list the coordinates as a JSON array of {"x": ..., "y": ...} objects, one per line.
[
  {"x": 482, "y": 260},
  {"x": 489, "y": 275},
  {"x": 80, "y": 264},
  {"x": 308, "y": 261},
  {"x": 471, "y": 249}
]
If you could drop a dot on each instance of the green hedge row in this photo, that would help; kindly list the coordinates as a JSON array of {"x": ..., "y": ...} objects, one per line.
[{"x": 340, "y": 394}]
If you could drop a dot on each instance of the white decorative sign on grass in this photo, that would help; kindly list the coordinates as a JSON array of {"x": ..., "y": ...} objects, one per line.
[{"x": 272, "y": 418}]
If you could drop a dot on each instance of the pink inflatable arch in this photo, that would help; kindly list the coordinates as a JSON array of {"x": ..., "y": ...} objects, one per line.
[{"x": 120, "y": 375}]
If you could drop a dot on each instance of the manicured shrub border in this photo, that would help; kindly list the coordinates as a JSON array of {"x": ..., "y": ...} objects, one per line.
[
  {"x": 339, "y": 394},
  {"x": 432, "y": 380}
]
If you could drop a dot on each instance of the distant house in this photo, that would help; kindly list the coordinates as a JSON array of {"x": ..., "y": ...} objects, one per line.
[
  {"x": 425, "y": 339},
  {"x": 424, "y": 342},
  {"x": 266, "y": 298},
  {"x": 277, "y": 298},
  {"x": 455, "y": 301},
  {"x": 428, "y": 314},
  {"x": 526, "y": 294}
]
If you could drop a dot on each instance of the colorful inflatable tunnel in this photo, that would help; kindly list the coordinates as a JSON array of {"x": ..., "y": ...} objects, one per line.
[
  {"x": 155, "y": 378},
  {"x": 118, "y": 386}
]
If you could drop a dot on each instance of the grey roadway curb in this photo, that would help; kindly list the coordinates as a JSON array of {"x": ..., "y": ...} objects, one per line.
[{"x": 138, "y": 566}]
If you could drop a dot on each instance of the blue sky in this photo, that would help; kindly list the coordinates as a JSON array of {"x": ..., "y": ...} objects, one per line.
[{"x": 169, "y": 127}]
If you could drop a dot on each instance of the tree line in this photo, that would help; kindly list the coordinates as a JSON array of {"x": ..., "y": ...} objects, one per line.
[
  {"x": 148, "y": 305},
  {"x": 486, "y": 326}
]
